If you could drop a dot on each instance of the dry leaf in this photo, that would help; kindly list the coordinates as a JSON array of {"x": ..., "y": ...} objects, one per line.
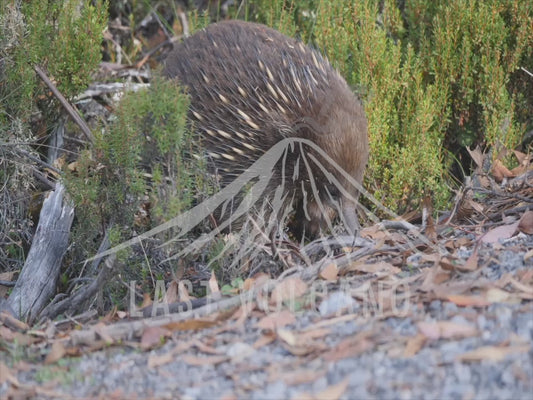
[
  {"x": 448, "y": 264},
  {"x": 153, "y": 336},
  {"x": 300, "y": 377},
  {"x": 525, "y": 224},
  {"x": 312, "y": 334},
  {"x": 8, "y": 276},
  {"x": 500, "y": 171},
  {"x": 492, "y": 353},
  {"x": 294, "y": 343},
  {"x": 330, "y": 272},
  {"x": 351, "y": 347},
  {"x": 12, "y": 322},
  {"x": 446, "y": 330},
  {"x": 380, "y": 266},
  {"x": 334, "y": 392},
  {"x": 472, "y": 263},
  {"x": 155, "y": 360},
  {"x": 190, "y": 325},
  {"x": 522, "y": 158},
  {"x": 276, "y": 320},
  {"x": 213, "y": 283},
  {"x": 288, "y": 289},
  {"x": 171, "y": 294},
  {"x": 500, "y": 232},
  {"x": 287, "y": 336},
  {"x": 264, "y": 339},
  {"x": 100, "y": 329},
  {"x": 200, "y": 361},
  {"x": 5, "y": 374},
  {"x": 414, "y": 345},
  {"x": 183, "y": 293},
  {"x": 147, "y": 300},
  {"x": 464, "y": 301},
  {"x": 477, "y": 156},
  {"x": 56, "y": 353},
  {"x": 521, "y": 286}
]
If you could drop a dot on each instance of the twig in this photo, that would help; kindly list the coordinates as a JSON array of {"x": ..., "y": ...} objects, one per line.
[{"x": 66, "y": 105}]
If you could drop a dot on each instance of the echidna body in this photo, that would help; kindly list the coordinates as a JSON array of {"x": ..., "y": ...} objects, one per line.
[{"x": 252, "y": 87}]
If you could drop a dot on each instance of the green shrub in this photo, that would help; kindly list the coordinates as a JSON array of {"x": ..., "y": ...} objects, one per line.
[
  {"x": 149, "y": 136},
  {"x": 435, "y": 76},
  {"x": 64, "y": 38}
]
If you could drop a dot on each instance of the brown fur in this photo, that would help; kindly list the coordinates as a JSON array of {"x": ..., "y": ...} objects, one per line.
[{"x": 258, "y": 86}]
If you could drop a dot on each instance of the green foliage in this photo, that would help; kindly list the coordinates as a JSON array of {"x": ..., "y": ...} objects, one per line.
[
  {"x": 149, "y": 135},
  {"x": 63, "y": 37},
  {"x": 435, "y": 76}
]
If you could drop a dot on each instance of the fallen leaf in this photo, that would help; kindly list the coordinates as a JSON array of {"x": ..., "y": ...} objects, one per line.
[
  {"x": 183, "y": 293},
  {"x": 500, "y": 171},
  {"x": 153, "y": 336},
  {"x": 495, "y": 295},
  {"x": 334, "y": 392},
  {"x": 528, "y": 255},
  {"x": 351, "y": 347},
  {"x": 171, "y": 294},
  {"x": 287, "y": 336},
  {"x": 472, "y": 263},
  {"x": 101, "y": 329},
  {"x": 330, "y": 272},
  {"x": 205, "y": 348},
  {"x": 8, "y": 276},
  {"x": 525, "y": 224},
  {"x": 464, "y": 300},
  {"x": 477, "y": 156},
  {"x": 500, "y": 232},
  {"x": 14, "y": 323},
  {"x": 147, "y": 300},
  {"x": 372, "y": 268},
  {"x": 522, "y": 158},
  {"x": 300, "y": 377},
  {"x": 414, "y": 344},
  {"x": 293, "y": 343},
  {"x": 446, "y": 330},
  {"x": 156, "y": 360},
  {"x": 288, "y": 289},
  {"x": 200, "y": 361},
  {"x": 190, "y": 325},
  {"x": 264, "y": 340},
  {"x": 6, "y": 375},
  {"x": 276, "y": 320},
  {"x": 56, "y": 353},
  {"x": 492, "y": 353},
  {"x": 521, "y": 286},
  {"x": 213, "y": 283},
  {"x": 448, "y": 264}
]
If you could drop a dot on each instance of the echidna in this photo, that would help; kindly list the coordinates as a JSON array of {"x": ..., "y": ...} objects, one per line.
[{"x": 252, "y": 87}]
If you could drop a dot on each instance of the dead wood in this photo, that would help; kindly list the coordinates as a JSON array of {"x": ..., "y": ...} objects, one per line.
[{"x": 37, "y": 281}]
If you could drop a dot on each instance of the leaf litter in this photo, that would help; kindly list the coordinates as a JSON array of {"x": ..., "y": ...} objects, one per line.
[{"x": 412, "y": 297}]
